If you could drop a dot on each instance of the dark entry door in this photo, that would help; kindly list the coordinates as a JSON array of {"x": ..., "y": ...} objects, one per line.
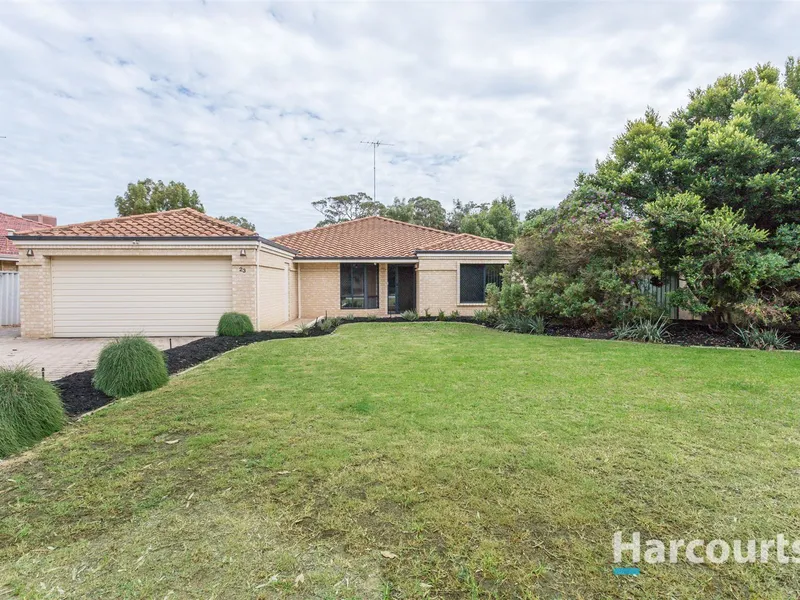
[{"x": 406, "y": 288}]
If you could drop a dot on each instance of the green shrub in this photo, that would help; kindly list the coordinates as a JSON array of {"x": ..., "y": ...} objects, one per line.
[
  {"x": 427, "y": 313},
  {"x": 762, "y": 339},
  {"x": 30, "y": 410},
  {"x": 304, "y": 329},
  {"x": 130, "y": 365},
  {"x": 644, "y": 330},
  {"x": 441, "y": 316},
  {"x": 487, "y": 317},
  {"x": 328, "y": 324},
  {"x": 234, "y": 324},
  {"x": 410, "y": 315},
  {"x": 454, "y": 315}
]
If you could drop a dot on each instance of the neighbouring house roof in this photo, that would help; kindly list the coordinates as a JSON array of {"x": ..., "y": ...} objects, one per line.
[
  {"x": 9, "y": 223},
  {"x": 379, "y": 237},
  {"x": 180, "y": 223}
]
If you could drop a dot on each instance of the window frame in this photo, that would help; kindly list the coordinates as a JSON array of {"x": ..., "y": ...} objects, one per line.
[
  {"x": 366, "y": 295},
  {"x": 500, "y": 265}
]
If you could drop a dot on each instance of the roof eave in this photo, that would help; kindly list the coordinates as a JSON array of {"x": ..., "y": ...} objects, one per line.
[{"x": 301, "y": 258}]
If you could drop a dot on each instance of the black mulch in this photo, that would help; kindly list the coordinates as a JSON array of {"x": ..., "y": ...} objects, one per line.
[{"x": 79, "y": 395}]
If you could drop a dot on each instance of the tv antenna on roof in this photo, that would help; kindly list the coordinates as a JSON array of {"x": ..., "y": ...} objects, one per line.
[{"x": 375, "y": 145}]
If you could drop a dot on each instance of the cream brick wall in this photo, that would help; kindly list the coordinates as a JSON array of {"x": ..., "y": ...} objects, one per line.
[
  {"x": 294, "y": 311},
  {"x": 320, "y": 292},
  {"x": 272, "y": 282},
  {"x": 35, "y": 297},
  {"x": 36, "y": 310},
  {"x": 438, "y": 280}
]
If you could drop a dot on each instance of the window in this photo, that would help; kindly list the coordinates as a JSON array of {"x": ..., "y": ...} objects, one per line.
[
  {"x": 474, "y": 279},
  {"x": 359, "y": 285}
]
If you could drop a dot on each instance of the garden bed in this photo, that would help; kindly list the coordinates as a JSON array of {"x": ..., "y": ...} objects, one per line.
[{"x": 79, "y": 396}]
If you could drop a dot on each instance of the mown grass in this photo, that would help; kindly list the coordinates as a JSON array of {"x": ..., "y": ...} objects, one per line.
[{"x": 486, "y": 464}]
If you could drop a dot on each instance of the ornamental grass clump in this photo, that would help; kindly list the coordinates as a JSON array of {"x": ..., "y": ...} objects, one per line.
[
  {"x": 30, "y": 410},
  {"x": 762, "y": 339},
  {"x": 234, "y": 324},
  {"x": 130, "y": 365},
  {"x": 644, "y": 330}
]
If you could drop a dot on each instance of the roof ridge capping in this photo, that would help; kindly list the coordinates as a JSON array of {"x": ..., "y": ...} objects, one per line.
[
  {"x": 442, "y": 246},
  {"x": 361, "y": 219},
  {"x": 153, "y": 225},
  {"x": 41, "y": 225},
  {"x": 215, "y": 219}
]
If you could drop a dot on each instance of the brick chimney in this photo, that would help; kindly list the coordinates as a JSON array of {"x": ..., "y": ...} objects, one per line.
[{"x": 44, "y": 219}]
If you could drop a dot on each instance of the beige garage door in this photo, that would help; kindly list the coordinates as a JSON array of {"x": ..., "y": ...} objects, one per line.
[{"x": 106, "y": 297}]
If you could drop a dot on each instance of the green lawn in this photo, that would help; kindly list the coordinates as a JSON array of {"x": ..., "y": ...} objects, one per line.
[{"x": 490, "y": 465}]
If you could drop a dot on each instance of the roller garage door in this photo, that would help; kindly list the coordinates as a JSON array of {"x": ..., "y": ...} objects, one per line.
[{"x": 106, "y": 297}]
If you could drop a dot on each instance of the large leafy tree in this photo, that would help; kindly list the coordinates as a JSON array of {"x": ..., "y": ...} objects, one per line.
[
  {"x": 498, "y": 220},
  {"x": 736, "y": 144},
  {"x": 336, "y": 209},
  {"x": 146, "y": 196},
  {"x": 417, "y": 210}
]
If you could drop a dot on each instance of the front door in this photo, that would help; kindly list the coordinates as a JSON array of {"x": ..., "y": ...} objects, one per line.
[{"x": 402, "y": 288}]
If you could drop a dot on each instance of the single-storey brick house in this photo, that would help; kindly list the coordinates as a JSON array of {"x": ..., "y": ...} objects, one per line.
[{"x": 176, "y": 272}]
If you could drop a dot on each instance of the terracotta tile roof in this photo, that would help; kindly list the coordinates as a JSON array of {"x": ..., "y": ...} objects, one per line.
[
  {"x": 466, "y": 242},
  {"x": 183, "y": 222},
  {"x": 376, "y": 237},
  {"x": 17, "y": 224}
]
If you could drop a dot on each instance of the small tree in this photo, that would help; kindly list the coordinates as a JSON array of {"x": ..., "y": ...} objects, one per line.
[
  {"x": 721, "y": 265},
  {"x": 147, "y": 196}
]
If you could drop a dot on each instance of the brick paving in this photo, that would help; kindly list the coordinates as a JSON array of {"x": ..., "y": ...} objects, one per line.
[{"x": 60, "y": 356}]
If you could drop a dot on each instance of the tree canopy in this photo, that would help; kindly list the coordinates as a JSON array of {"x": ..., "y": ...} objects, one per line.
[
  {"x": 711, "y": 194},
  {"x": 498, "y": 219},
  {"x": 146, "y": 196},
  {"x": 239, "y": 221},
  {"x": 736, "y": 144}
]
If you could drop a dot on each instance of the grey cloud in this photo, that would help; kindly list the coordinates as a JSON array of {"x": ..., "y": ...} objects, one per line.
[{"x": 261, "y": 109}]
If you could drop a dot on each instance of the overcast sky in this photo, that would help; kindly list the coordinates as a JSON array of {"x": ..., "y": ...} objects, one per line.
[{"x": 261, "y": 108}]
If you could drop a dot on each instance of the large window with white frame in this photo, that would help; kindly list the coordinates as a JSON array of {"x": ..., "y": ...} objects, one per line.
[{"x": 473, "y": 279}]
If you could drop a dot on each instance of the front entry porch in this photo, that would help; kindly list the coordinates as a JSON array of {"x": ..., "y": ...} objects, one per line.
[{"x": 401, "y": 288}]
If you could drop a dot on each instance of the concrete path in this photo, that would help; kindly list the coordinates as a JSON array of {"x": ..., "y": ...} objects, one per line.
[
  {"x": 60, "y": 356},
  {"x": 293, "y": 325}
]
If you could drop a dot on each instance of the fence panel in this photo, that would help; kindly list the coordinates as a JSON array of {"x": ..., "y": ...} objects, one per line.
[
  {"x": 9, "y": 298},
  {"x": 669, "y": 284}
]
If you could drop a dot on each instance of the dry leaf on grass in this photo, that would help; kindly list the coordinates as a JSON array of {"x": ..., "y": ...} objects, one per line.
[
  {"x": 170, "y": 442},
  {"x": 387, "y": 554}
]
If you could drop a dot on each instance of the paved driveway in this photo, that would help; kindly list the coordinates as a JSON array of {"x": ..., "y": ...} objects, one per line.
[{"x": 60, "y": 356}]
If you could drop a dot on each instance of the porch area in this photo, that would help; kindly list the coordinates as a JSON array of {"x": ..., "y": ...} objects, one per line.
[{"x": 342, "y": 288}]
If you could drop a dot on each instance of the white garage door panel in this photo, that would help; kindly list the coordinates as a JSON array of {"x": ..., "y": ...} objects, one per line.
[{"x": 105, "y": 297}]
